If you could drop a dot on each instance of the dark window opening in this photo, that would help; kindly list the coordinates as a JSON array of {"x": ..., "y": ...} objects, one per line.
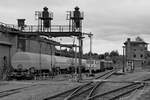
[
  {"x": 134, "y": 49},
  {"x": 141, "y": 56},
  {"x": 134, "y": 55}
]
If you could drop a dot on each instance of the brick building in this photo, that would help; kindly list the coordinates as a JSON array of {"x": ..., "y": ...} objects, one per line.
[{"x": 135, "y": 52}]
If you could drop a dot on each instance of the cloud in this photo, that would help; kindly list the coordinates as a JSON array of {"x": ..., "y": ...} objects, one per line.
[{"x": 111, "y": 21}]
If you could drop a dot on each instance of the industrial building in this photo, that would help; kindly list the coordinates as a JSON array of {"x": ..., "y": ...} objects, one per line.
[{"x": 135, "y": 53}]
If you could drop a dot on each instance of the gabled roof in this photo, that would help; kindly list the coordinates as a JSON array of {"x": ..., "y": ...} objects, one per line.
[{"x": 136, "y": 42}]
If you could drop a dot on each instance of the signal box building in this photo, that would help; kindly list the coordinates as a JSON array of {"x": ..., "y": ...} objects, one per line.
[{"x": 135, "y": 53}]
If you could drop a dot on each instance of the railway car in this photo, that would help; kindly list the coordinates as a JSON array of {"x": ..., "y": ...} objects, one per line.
[
  {"x": 27, "y": 65},
  {"x": 106, "y": 65},
  {"x": 94, "y": 64},
  {"x": 28, "y": 60},
  {"x": 35, "y": 64},
  {"x": 98, "y": 65}
]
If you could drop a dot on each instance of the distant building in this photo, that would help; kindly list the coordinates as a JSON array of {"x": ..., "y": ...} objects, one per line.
[{"x": 135, "y": 52}]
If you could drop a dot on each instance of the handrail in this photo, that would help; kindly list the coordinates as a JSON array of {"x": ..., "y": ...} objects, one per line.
[{"x": 35, "y": 28}]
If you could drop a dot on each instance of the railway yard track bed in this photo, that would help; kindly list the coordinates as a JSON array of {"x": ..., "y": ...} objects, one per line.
[
  {"x": 114, "y": 90},
  {"x": 49, "y": 90}
]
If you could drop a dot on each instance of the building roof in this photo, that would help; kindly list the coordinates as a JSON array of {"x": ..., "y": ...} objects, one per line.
[{"x": 136, "y": 42}]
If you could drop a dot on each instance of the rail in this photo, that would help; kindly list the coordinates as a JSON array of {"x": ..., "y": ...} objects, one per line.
[
  {"x": 14, "y": 91},
  {"x": 99, "y": 83},
  {"x": 116, "y": 92},
  {"x": 119, "y": 92}
]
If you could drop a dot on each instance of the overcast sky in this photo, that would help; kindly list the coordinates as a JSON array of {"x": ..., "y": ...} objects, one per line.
[{"x": 111, "y": 21}]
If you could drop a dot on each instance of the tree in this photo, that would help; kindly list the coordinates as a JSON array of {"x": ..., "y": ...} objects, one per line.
[
  {"x": 106, "y": 54},
  {"x": 114, "y": 53},
  {"x": 101, "y": 56}
]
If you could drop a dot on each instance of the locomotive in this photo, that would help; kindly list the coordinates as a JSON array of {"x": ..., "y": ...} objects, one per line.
[{"x": 27, "y": 65}]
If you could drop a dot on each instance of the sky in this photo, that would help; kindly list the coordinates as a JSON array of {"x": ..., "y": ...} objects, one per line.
[{"x": 110, "y": 21}]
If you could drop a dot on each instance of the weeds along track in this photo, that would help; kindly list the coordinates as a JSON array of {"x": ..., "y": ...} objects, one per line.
[{"x": 81, "y": 92}]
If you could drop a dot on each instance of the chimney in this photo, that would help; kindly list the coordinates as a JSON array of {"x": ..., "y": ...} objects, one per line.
[{"x": 128, "y": 39}]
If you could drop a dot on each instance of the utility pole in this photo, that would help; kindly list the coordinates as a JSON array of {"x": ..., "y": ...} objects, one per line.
[
  {"x": 90, "y": 36},
  {"x": 40, "y": 63},
  {"x": 51, "y": 56},
  {"x": 76, "y": 60},
  {"x": 123, "y": 70},
  {"x": 80, "y": 57}
]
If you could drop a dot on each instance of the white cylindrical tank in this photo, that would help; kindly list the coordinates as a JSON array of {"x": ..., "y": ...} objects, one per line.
[
  {"x": 62, "y": 62},
  {"x": 28, "y": 60}
]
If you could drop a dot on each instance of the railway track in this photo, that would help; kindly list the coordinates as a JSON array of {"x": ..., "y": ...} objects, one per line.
[
  {"x": 98, "y": 84},
  {"x": 82, "y": 91},
  {"x": 14, "y": 91},
  {"x": 89, "y": 91},
  {"x": 117, "y": 93},
  {"x": 120, "y": 92}
]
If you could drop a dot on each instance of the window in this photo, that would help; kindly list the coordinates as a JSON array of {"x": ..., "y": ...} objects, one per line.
[
  {"x": 140, "y": 45},
  {"x": 134, "y": 45},
  {"x": 134, "y": 49},
  {"x": 134, "y": 55},
  {"x": 141, "y": 55}
]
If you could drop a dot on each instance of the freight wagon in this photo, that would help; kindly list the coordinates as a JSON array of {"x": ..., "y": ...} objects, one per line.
[{"x": 27, "y": 65}]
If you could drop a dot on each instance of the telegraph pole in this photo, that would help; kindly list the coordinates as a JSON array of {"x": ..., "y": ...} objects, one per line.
[
  {"x": 90, "y": 36},
  {"x": 76, "y": 60},
  {"x": 80, "y": 57},
  {"x": 123, "y": 69}
]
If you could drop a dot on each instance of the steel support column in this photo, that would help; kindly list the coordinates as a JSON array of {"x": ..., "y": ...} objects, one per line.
[{"x": 80, "y": 57}]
